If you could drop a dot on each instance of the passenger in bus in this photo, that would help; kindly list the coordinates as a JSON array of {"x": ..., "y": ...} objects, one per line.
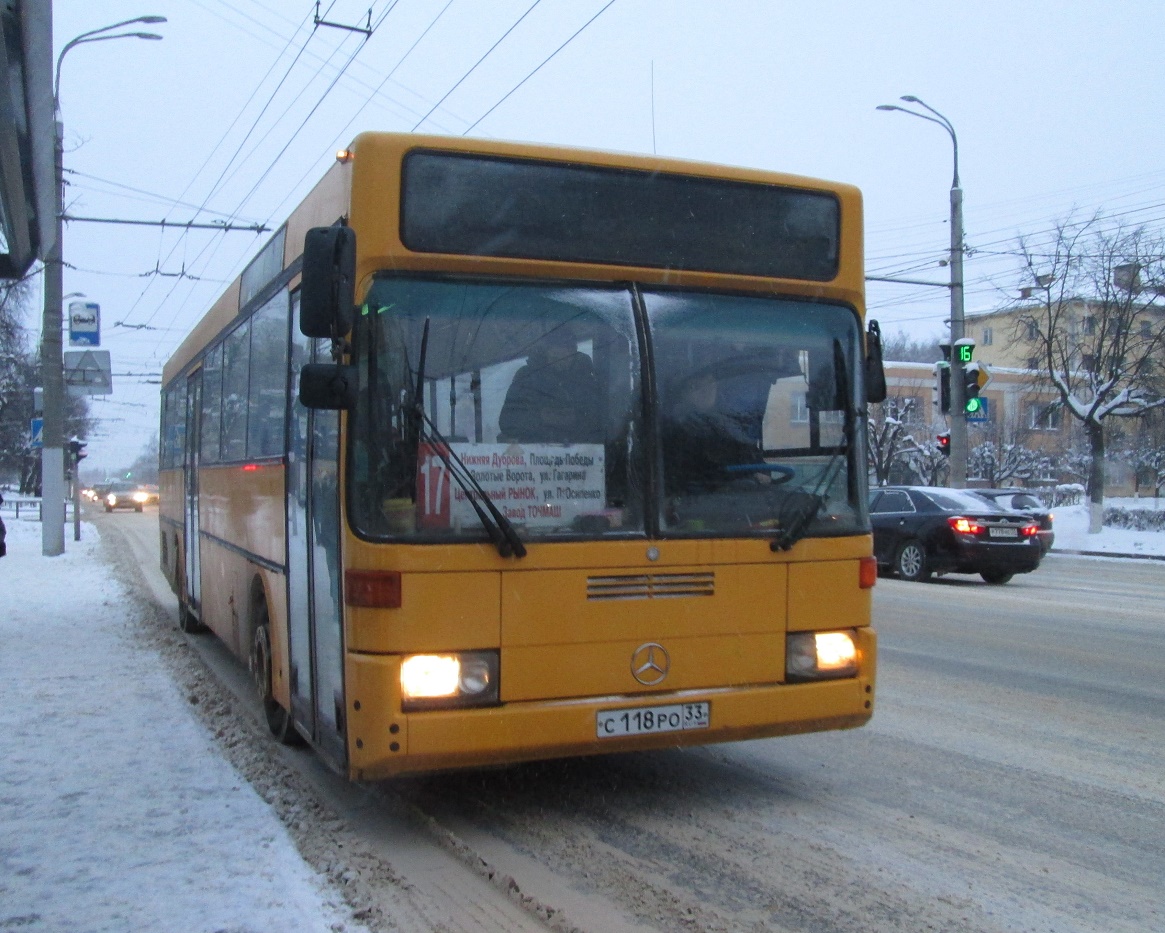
[
  {"x": 554, "y": 398},
  {"x": 701, "y": 440}
]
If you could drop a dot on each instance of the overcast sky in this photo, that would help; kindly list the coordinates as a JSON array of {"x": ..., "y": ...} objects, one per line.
[{"x": 240, "y": 109}]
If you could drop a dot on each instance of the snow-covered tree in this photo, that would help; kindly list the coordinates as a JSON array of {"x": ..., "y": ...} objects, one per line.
[
  {"x": 1000, "y": 455},
  {"x": 1144, "y": 451},
  {"x": 889, "y": 435},
  {"x": 17, "y": 376},
  {"x": 1097, "y": 327}
]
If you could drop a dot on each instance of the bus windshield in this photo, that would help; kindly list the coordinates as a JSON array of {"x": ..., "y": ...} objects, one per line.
[{"x": 538, "y": 391}]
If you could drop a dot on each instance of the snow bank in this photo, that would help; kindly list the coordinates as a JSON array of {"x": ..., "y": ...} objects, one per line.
[
  {"x": 116, "y": 811},
  {"x": 1071, "y": 527}
]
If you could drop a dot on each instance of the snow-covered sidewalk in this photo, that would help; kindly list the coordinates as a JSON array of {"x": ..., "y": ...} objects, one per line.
[
  {"x": 116, "y": 810},
  {"x": 1071, "y": 527}
]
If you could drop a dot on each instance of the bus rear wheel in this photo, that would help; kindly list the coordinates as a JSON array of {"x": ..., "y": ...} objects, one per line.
[{"x": 278, "y": 718}]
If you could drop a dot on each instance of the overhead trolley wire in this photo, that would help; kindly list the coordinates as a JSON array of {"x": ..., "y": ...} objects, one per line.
[
  {"x": 291, "y": 139},
  {"x": 476, "y": 64},
  {"x": 539, "y": 68}
]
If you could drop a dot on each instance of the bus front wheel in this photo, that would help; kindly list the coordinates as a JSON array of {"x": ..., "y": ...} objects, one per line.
[{"x": 278, "y": 718}]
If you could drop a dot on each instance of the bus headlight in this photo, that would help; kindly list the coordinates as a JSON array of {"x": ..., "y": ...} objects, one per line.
[
  {"x": 821, "y": 655},
  {"x": 439, "y": 681}
]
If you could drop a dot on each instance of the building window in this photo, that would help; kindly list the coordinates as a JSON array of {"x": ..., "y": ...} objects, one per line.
[
  {"x": 1044, "y": 417},
  {"x": 1033, "y": 362},
  {"x": 1089, "y": 326},
  {"x": 987, "y": 336},
  {"x": 1033, "y": 331},
  {"x": 1088, "y": 361},
  {"x": 800, "y": 409},
  {"x": 1146, "y": 329}
]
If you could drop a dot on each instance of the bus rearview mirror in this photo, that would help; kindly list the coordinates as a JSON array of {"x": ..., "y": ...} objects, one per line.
[
  {"x": 327, "y": 293},
  {"x": 327, "y": 386}
]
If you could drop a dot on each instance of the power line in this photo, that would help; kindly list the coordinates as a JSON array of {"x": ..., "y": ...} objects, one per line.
[
  {"x": 539, "y": 68},
  {"x": 489, "y": 51}
]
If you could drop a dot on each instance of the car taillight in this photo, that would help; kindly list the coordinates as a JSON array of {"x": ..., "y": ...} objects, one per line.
[
  {"x": 1029, "y": 531},
  {"x": 964, "y": 526}
]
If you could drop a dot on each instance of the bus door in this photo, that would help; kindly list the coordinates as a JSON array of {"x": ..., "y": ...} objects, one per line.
[
  {"x": 315, "y": 627},
  {"x": 193, "y": 572}
]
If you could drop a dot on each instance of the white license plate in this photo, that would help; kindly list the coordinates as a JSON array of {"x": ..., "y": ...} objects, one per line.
[
  {"x": 1002, "y": 532},
  {"x": 647, "y": 720}
]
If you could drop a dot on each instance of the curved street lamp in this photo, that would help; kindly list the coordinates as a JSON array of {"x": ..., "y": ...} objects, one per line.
[
  {"x": 958, "y": 390},
  {"x": 52, "y": 457}
]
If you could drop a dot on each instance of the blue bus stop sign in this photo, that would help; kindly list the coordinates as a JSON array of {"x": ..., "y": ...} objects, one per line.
[{"x": 37, "y": 433}]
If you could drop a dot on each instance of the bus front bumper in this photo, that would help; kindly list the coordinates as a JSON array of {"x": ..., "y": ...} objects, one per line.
[{"x": 382, "y": 742}]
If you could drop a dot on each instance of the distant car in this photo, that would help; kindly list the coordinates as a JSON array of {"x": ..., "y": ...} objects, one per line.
[
  {"x": 1020, "y": 500},
  {"x": 125, "y": 496},
  {"x": 923, "y": 530}
]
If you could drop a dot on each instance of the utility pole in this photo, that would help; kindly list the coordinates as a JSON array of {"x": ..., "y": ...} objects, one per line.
[
  {"x": 52, "y": 373},
  {"x": 958, "y": 414},
  {"x": 52, "y": 455}
]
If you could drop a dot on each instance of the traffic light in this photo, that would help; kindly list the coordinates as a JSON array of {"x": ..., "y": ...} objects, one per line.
[
  {"x": 944, "y": 443},
  {"x": 942, "y": 386},
  {"x": 975, "y": 377},
  {"x": 77, "y": 450}
]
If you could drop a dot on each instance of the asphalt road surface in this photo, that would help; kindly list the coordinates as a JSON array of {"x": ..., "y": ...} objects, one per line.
[{"x": 1013, "y": 778}]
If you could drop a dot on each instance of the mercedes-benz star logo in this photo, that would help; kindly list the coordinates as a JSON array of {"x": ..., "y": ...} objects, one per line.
[{"x": 650, "y": 664}]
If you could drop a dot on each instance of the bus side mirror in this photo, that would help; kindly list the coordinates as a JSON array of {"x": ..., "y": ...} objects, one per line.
[
  {"x": 327, "y": 294},
  {"x": 875, "y": 370},
  {"x": 328, "y": 386}
]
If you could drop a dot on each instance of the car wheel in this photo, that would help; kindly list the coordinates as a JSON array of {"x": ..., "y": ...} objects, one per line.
[
  {"x": 137, "y": 508},
  {"x": 996, "y": 577},
  {"x": 108, "y": 508},
  {"x": 911, "y": 562}
]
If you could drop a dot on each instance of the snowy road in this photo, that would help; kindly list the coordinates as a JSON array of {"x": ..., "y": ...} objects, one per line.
[{"x": 1013, "y": 778}]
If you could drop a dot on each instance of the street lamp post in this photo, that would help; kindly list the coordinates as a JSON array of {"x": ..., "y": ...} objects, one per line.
[
  {"x": 958, "y": 412},
  {"x": 52, "y": 461}
]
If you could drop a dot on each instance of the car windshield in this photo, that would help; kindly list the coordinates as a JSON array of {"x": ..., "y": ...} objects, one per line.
[
  {"x": 954, "y": 500},
  {"x": 533, "y": 395}
]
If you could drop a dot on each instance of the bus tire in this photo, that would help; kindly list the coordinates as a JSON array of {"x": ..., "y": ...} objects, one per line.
[{"x": 278, "y": 718}]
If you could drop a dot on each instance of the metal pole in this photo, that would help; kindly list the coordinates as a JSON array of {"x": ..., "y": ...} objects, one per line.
[
  {"x": 52, "y": 457},
  {"x": 52, "y": 472},
  {"x": 76, "y": 499},
  {"x": 959, "y": 449},
  {"x": 958, "y": 414}
]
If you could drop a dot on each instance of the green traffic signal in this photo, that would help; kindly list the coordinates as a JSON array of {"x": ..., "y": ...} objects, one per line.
[
  {"x": 966, "y": 353},
  {"x": 973, "y": 406}
]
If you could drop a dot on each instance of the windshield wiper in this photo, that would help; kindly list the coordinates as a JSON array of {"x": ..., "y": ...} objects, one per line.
[
  {"x": 806, "y": 506},
  {"x": 500, "y": 529}
]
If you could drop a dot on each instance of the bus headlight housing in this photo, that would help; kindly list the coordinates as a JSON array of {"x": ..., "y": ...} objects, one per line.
[
  {"x": 441, "y": 681},
  {"x": 821, "y": 655}
]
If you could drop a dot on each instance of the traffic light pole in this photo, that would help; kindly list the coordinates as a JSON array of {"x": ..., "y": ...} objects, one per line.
[{"x": 958, "y": 476}]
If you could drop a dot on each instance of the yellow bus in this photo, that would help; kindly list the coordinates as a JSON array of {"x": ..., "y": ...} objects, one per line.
[{"x": 499, "y": 452}]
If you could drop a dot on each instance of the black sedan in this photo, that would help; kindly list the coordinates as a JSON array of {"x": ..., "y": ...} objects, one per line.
[
  {"x": 1020, "y": 500},
  {"x": 923, "y": 530}
]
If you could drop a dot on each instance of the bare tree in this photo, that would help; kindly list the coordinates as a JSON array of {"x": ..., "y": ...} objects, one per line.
[{"x": 1097, "y": 327}]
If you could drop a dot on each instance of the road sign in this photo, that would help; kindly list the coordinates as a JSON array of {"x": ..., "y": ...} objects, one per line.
[
  {"x": 84, "y": 324},
  {"x": 37, "y": 432},
  {"x": 88, "y": 372}
]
